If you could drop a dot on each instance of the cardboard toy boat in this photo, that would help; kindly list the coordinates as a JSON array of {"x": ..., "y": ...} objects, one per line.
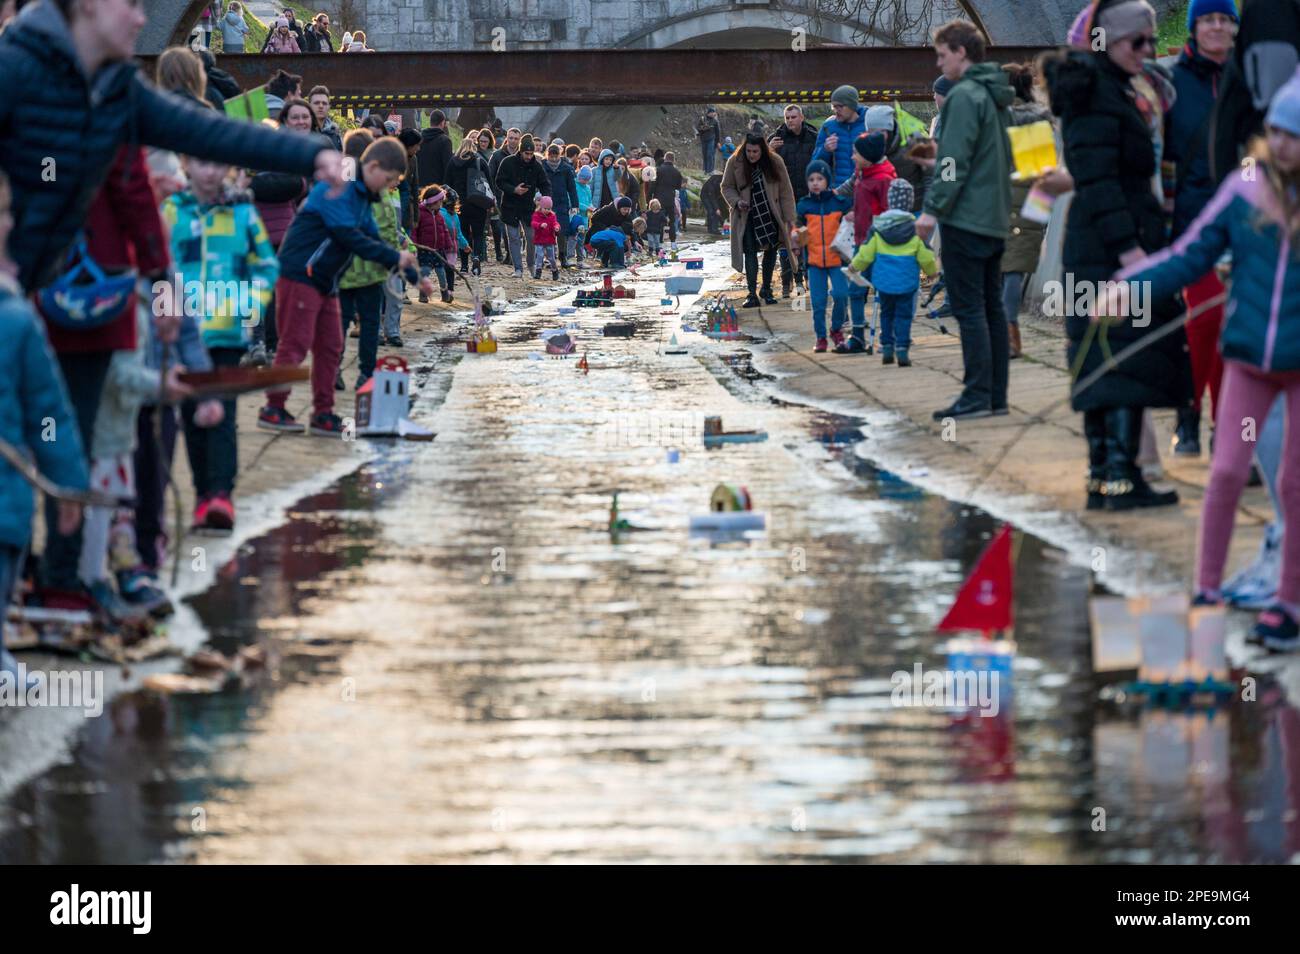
[
  {"x": 384, "y": 401},
  {"x": 1162, "y": 645},
  {"x": 679, "y": 283},
  {"x": 227, "y": 382},
  {"x": 620, "y": 329},
  {"x": 731, "y": 510},
  {"x": 715, "y": 436}
]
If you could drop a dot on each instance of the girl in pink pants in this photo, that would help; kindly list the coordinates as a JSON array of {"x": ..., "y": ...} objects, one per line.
[{"x": 1256, "y": 215}]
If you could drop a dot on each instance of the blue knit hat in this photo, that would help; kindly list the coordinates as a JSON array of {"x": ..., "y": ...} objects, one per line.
[
  {"x": 1203, "y": 8},
  {"x": 584, "y": 178},
  {"x": 1284, "y": 111},
  {"x": 818, "y": 167}
]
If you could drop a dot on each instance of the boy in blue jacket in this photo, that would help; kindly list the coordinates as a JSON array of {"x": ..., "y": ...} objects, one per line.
[
  {"x": 35, "y": 418},
  {"x": 327, "y": 232},
  {"x": 896, "y": 256}
]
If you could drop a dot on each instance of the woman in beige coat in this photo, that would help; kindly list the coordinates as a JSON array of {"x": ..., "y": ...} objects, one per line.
[{"x": 762, "y": 213}]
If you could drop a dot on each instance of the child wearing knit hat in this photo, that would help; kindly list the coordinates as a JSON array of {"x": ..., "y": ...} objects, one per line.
[
  {"x": 869, "y": 188},
  {"x": 896, "y": 257}
]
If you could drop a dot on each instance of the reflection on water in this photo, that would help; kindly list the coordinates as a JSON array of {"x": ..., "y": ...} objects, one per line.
[{"x": 466, "y": 668}]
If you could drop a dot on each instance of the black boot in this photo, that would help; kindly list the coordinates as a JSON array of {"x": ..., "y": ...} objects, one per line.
[
  {"x": 1094, "y": 431},
  {"x": 787, "y": 282},
  {"x": 1187, "y": 437},
  {"x": 1125, "y": 487}
]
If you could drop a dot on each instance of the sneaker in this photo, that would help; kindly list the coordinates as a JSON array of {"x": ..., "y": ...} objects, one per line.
[
  {"x": 555, "y": 274},
  {"x": 537, "y": 274},
  {"x": 201, "y": 513},
  {"x": 424, "y": 299},
  {"x": 140, "y": 587},
  {"x": 220, "y": 514},
  {"x": 277, "y": 419},
  {"x": 519, "y": 273},
  {"x": 886, "y": 356},
  {"x": 326, "y": 425},
  {"x": 448, "y": 296},
  {"x": 1255, "y": 587},
  {"x": 1205, "y": 599},
  {"x": 1277, "y": 630},
  {"x": 361, "y": 381},
  {"x": 768, "y": 297},
  {"x": 476, "y": 268},
  {"x": 255, "y": 356},
  {"x": 395, "y": 341},
  {"x": 855, "y": 276},
  {"x": 962, "y": 412},
  {"x": 838, "y": 338},
  {"x": 820, "y": 346},
  {"x": 111, "y": 606},
  {"x": 903, "y": 360},
  {"x": 854, "y": 345}
]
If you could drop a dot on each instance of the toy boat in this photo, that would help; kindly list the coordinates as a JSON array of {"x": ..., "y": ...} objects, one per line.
[
  {"x": 730, "y": 510},
  {"x": 481, "y": 342},
  {"x": 620, "y": 329},
  {"x": 560, "y": 344},
  {"x": 693, "y": 264},
  {"x": 679, "y": 283},
  {"x": 715, "y": 436},
  {"x": 721, "y": 322}
]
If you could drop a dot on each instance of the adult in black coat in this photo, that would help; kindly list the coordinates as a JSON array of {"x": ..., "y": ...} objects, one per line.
[
  {"x": 614, "y": 215},
  {"x": 221, "y": 85},
  {"x": 564, "y": 194},
  {"x": 795, "y": 141},
  {"x": 473, "y": 217},
  {"x": 519, "y": 179},
  {"x": 713, "y": 204},
  {"x": 316, "y": 37},
  {"x": 435, "y": 150},
  {"x": 47, "y": 122},
  {"x": 1114, "y": 220},
  {"x": 668, "y": 181}
]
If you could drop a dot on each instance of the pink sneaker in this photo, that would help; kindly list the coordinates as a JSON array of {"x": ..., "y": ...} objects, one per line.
[
  {"x": 820, "y": 346},
  {"x": 201, "y": 512},
  {"x": 837, "y": 337},
  {"x": 221, "y": 513}
]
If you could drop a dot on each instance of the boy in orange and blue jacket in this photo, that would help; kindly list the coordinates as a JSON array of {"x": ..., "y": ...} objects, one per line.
[{"x": 820, "y": 213}]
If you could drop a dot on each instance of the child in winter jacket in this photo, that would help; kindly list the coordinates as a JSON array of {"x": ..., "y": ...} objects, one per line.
[
  {"x": 460, "y": 244},
  {"x": 36, "y": 418},
  {"x": 109, "y": 541},
  {"x": 656, "y": 220},
  {"x": 433, "y": 235},
  {"x": 869, "y": 188},
  {"x": 218, "y": 244},
  {"x": 818, "y": 215},
  {"x": 611, "y": 245},
  {"x": 1257, "y": 218},
  {"x": 328, "y": 230},
  {"x": 362, "y": 290},
  {"x": 546, "y": 231},
  {"x": 896, "y": 256},
  {"x": 727, "y": 148},
  {"x": 578, "y": 234}
]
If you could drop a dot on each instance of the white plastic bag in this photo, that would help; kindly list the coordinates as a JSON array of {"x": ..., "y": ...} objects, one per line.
[{"x": 843, "y": 241}]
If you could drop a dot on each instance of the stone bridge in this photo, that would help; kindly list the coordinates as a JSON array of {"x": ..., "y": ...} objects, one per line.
[{"x": 640, "y": 24}]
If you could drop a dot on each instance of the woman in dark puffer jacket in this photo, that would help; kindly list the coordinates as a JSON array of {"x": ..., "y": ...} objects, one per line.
[{"x": 1114, "y": 220}]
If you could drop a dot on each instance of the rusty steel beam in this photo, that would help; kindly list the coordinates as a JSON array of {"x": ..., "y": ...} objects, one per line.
[{"x": 603, "y": 77}]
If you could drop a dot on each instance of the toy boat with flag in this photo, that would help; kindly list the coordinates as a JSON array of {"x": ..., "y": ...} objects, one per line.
[
  {"x": 984, "y": 605},
  {"x": 224, "y": 382}
]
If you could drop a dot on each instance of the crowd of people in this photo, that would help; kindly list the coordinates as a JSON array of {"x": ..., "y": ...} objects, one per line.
[{"x": 295, "y": 232}]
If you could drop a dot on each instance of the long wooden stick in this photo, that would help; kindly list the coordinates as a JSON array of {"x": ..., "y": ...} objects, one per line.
[{"x": 28, "y": 471}]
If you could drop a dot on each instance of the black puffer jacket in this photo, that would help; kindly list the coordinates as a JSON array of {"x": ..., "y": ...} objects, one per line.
[
  {"x": 52, "y": 118},
  {"x": 1109, "y": 152},
  {"x": 796, "y": 152},
  {"x": 512, "y": 172}
]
